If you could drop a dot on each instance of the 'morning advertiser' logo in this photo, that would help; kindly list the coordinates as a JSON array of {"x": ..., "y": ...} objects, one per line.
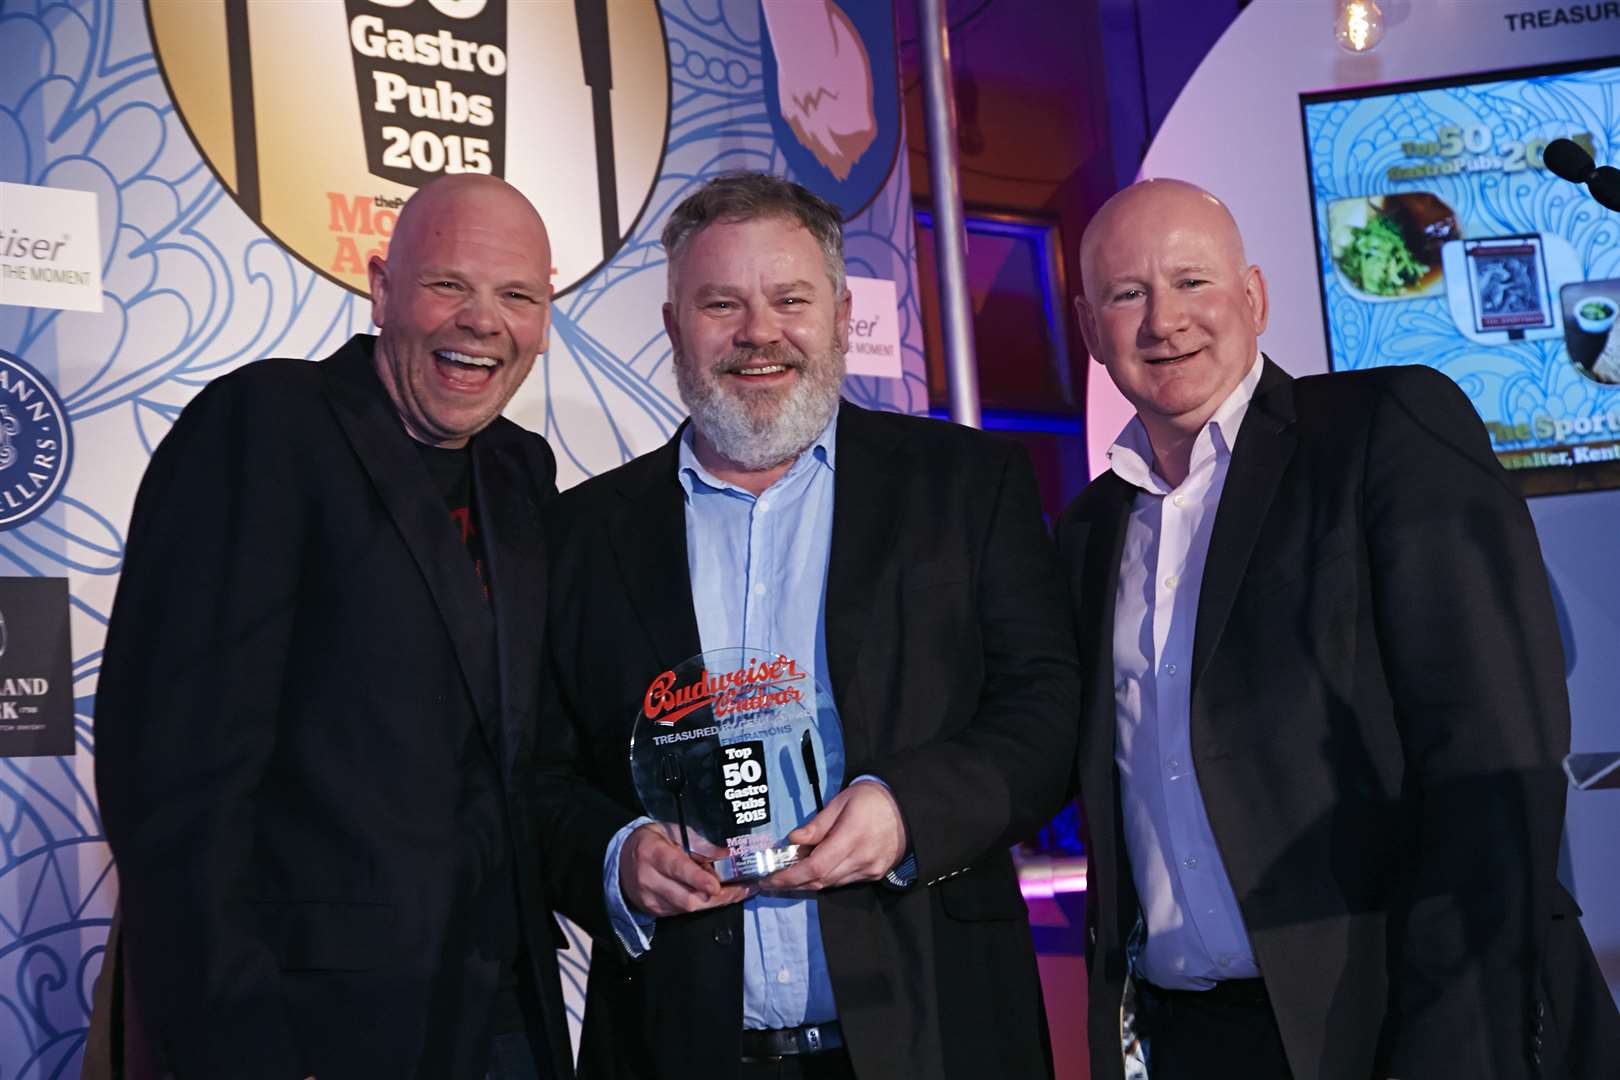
[{"x": 36, "y": 445}]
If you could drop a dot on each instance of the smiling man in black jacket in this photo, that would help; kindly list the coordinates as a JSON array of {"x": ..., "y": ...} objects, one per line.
[{"x": 321, "y": 679}]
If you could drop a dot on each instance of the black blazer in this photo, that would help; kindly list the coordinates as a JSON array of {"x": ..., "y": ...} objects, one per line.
[
  {"x": 952, "y": 664},
  {"x": 1378, "y": 713},
  {"x": 307, "y": 722}
]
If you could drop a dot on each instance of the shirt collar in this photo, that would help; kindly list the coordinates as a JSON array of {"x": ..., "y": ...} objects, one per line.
[
  {"x": 822, "y": 451},
  {"x": 1131, "y": 455}
]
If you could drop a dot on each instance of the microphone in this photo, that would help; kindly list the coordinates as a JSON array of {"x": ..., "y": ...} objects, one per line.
[
  {"x": 1566, "y": 159},
  {"x": 1604, "y": 185}
]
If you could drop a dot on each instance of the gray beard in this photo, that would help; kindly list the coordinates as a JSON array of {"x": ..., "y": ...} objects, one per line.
[{"x": 756, "y": 442}]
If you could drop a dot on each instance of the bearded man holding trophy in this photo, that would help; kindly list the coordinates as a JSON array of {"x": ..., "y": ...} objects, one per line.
[{"x": 835, "y": 645}]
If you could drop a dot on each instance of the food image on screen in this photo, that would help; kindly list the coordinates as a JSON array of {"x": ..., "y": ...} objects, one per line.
[
  {"x": 1442, "y": 238},
  {"x": 1507, "y": 283},
  {"x": 1597, "y": 311},
  {"x": 1388, "y": 246},
  {"x": 1590, "y": 308},
  {"x": 1606, "y": 368}
]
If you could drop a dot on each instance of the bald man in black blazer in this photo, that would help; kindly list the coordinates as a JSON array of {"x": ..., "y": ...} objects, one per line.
[{"x": 1354, "y": 680}]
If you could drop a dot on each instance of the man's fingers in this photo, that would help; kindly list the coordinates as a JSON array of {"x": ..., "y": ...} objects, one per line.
[
  {"x": 696, "y": 841},
  {"x": 817, "y": 828},
  {"x": 858, "y": 837},
  {"x": 808, "y": 833},
  {"x": 813, "y": 871},
  {"x": 661, "y": 879},
  {"x": 686, "y": 869}
]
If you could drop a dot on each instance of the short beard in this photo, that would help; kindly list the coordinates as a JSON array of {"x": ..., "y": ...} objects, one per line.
[{"x": 760, "y": 434}]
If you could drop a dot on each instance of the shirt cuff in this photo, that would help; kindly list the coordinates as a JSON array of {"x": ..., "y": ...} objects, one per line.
[
  {"x": 904, "y": 874},
  {"x": 633, "y": 928}
]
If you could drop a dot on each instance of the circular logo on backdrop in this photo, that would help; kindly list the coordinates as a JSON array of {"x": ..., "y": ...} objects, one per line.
[
  {"x": 36, "y": 444},
  {"x": 322, "y": 117}
]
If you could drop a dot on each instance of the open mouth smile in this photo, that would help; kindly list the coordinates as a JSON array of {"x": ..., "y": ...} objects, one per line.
[
  {"x": 464, "y": 371},
  {"x": 466, "y": 359}
]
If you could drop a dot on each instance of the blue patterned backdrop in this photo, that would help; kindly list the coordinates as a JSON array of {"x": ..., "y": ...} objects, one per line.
[
  {"x": 1352, "y": 146},
  {"x": 193, "y": 288}
]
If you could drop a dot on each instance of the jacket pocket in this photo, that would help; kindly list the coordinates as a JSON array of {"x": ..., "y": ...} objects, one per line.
[
  {"x": 327, "y": 935},
  {"x": 950, "y": 570},
  {"x": 1304, "y": 562},
  {"x": 986, "y": 893}
]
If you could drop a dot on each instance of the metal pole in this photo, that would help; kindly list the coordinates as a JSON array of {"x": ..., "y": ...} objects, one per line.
[{"x": 955, "y": 309}]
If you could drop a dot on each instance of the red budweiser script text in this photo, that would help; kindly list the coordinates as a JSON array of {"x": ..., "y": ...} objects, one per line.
[{"x": 760, "y": 685}]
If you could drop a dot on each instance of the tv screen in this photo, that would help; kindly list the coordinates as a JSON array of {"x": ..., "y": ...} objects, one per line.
[{"x": 1442, "y": 239}]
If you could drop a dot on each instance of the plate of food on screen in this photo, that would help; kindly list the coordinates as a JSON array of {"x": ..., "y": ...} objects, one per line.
[
  {"x": 1591, "y": 313},
  {"x": 1387, "y": 247}
]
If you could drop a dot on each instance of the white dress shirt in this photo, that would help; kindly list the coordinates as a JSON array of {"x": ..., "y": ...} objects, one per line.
[{"x": 1195, "y": 931}]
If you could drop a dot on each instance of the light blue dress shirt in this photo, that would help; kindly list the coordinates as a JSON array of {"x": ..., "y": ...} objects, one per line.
[
  {"x": 759, "y": 573},
  {"x": 1195, "y": 931}
]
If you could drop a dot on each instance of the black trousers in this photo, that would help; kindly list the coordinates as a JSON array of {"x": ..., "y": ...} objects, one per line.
[
  {"x": 1228, "y": 1033},
  {"x": 833, "y": 1065}
]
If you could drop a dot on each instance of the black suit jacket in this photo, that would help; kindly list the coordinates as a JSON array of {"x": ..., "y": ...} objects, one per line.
[
  {"x": 308, "y": 722},
  {"x": 952, "y": 664},
  {"x": 1378, "y": 712}
]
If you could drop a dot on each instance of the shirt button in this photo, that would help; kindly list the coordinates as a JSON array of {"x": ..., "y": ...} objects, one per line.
[
  {"x": 1180, "y": 500},
  {"x": 1169, "y": 669},
  {"x": 784, "y": 976},
  {"x": 1174, "y": 763},
  {"x": 1190, "y": 862},
  {"x": 759, "y": 588},
  {"x": 1171, "y": 581},
  {"x": 1224, "y": 960},
  {"x": 763, "y": 506}
]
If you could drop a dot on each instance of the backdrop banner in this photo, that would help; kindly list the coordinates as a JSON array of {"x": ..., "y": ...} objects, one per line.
[{"x": 237, "y": 162}]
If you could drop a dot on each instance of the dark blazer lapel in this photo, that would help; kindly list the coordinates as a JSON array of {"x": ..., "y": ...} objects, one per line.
[
  {"x": 867, "y": 488},
  {"x": 373, "y": 428},
  {"x": 649, "y": 538},
  {"x": 515, "y": 553},
  {"x": 1265, "y": 444},
  {"x": 1104, "y": 520},
  {"x": 1096, "y": 585}
]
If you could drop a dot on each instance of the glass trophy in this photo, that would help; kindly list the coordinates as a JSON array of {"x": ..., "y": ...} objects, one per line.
[{"x": 738, "y": 747}]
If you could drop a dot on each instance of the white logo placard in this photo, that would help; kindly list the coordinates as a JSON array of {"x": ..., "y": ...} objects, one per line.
[
  {"x": 50, "y": 248},
  {"x": 874, "y": 329}
]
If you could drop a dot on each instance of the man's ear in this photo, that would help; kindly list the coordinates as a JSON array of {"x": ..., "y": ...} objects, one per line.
[
  {"x": 545, "y": 335},
  {"x": 1088, "y": 323},
  {"x": 673, "y": 329},
  {"x": 1254, "y": 291},
  {"x": 841, "y": 317},
  {"x": 377, "y": 275}
]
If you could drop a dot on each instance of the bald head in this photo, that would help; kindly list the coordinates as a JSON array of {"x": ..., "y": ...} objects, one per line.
[
  {"x": 1135, "y": 213},
  {"x": 440, "y": 205},
  {"x": 1170, "y": 308}
]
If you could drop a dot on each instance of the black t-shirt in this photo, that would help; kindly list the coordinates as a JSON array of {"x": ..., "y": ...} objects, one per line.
[{"x": 451, "y": 472}]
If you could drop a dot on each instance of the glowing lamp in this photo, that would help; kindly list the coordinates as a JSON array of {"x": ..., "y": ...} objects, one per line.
[{"x": 1359, "y": 26}]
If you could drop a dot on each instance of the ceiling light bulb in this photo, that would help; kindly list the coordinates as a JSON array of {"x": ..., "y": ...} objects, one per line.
[{"x": 1359, "y": 26}]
